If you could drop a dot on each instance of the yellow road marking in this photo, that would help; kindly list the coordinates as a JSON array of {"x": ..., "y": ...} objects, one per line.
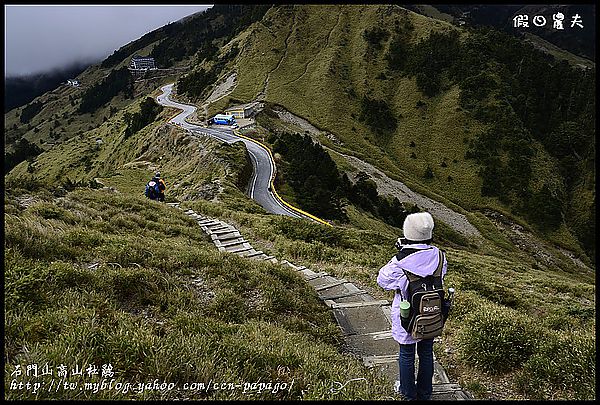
[{"x": 236, "y": 132}]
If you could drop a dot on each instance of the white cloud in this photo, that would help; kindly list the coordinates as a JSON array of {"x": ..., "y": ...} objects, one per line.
[{"x": 40, "y": 38}]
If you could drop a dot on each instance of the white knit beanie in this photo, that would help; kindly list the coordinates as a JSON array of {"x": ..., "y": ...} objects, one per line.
[{"x": 418, "y": 227}]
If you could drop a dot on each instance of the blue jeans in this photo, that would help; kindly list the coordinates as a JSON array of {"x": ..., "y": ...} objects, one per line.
[{"x": 406, "y": 359}]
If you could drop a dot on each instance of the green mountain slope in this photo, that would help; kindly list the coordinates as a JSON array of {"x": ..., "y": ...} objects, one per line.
[
  {"x": 99, "y": 277},
  {"x": 319, "y": 63}
]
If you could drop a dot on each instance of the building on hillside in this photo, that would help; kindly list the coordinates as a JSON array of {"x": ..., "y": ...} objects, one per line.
[
  {"x": 142, "y": 63},
  {"x": 243, "y": 111},
  {"x": 463, "y": 19},
  {"x": 73, "y": 82}
]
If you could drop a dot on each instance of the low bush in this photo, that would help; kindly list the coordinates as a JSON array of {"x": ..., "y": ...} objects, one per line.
[
  {"x": 164, "y": 307},
  {"x": 375, "y": 36},
  {"x": 137, "y": 286},
  {"x": 307, "y": 231},
  {"x": 148, "y": 112},
  {"x": 63, "y": 275},
  {"x": 497, "y": 340},
  {"x": 23, "y": 150},
  {"x": 23, "y": 280},
  {"x": 494, "y": 292},
  {"x": 465, "y": 302},
  {"x": 378, "y": 115},
  {"x": 565, "y": 363}
]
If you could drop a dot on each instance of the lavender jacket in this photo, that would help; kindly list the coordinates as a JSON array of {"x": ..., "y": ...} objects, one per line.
[{"x": 391, "y": 277}]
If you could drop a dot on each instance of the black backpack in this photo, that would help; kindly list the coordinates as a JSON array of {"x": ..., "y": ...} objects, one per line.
[
  {"x": 152, "y": 190},
  {"x": 426, "y": 297}
]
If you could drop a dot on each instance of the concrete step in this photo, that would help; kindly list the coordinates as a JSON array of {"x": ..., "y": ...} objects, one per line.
[
  {"x": 267, "y": 258},
  {"x": 210, "y": 223},
  {"x": 246, "y": 253},
  {"x": 237, "y": 250},
  {"x": 226, "y": 236},
  {"x": 209, "y": 230},
  {"x": 207, "y": 219},
  {"x": 226, "y": 231},
  {"x": 286, "y": 263},
  {"x": 385, "y": 334},
  {"x": 330, "y": 285},
  {"x": 356, "y": 304},
  {"x": 449, "y": 393},
  {"x": 307, "y": 272},
  {"x": 346, "y": 294},
  {"x": 361, "y": 320},
  {"x": 328, "y": 281},
  {"x": 371, "y": 361},
  {"x": 387, "y": 311},
  {"x": 219, "y": 226},
  {"x": 439, "y": 372},
  {"x": 355, "y": 298},
  {"x": 448, "y": 387},
  {"x": 366, "y": 346},
  {"x": 316, "y": 275},
  {"x": 254, "y": 254},
  {"x": 239, "y": 241},
  {"x": 343, "y": 290}
]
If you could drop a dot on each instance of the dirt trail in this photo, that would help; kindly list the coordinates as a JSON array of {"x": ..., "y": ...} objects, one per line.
[
  {"x": 262, "y": 95},
  {"x": 221, "y": 90},
  {"x": 388, "y": 186},
  {"x": 326, "y": 46}
]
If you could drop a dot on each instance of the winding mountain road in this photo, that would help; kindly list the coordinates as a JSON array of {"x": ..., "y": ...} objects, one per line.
[{"x": 264, "y": 167}]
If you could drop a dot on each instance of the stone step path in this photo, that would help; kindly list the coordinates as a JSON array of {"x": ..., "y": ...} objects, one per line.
[{"x": 365, "y": 321}]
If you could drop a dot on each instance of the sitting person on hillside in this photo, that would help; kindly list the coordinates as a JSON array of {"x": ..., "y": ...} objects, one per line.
[{"x": 155, "y": 188}]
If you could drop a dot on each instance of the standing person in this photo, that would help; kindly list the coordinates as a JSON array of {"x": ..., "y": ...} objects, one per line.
[
  {"x": 161, "y": 186},
  {"x": 416, "y": 255}
]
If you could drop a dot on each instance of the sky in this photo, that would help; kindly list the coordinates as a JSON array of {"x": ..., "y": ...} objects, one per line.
[{"x": 39, "y": 38}]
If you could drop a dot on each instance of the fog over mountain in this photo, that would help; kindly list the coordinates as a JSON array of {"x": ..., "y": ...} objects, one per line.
[{"x": 40, "y": 38}]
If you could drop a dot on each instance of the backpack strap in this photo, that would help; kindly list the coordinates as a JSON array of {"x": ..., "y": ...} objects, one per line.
[
  {"x": 438, "y": 271},
  {"x": 411, "y": 276}
]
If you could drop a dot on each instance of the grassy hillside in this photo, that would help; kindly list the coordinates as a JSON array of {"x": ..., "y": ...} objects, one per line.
[
  {"x": 102, "y": 260},
  {"x": 101, "y": 277},
  {"x": 319, "y": 63},
  {"x": 518, "y": 330},
  {"x": 58, "y": 121},
  {"x": 110, "y": 260},
  {"x": 326, "y": 64}
]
